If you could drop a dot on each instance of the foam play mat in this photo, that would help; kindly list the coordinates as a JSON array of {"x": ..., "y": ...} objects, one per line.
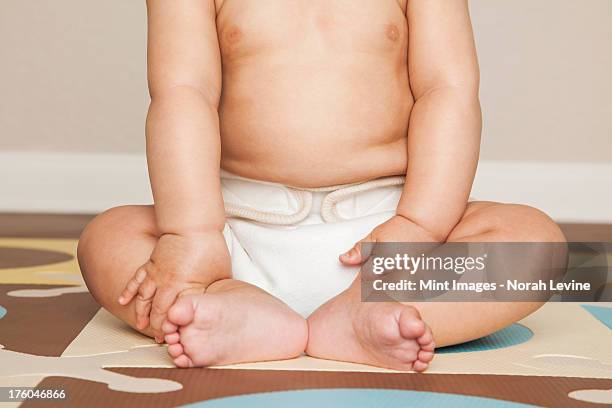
[{"x": 54, "y": 336}]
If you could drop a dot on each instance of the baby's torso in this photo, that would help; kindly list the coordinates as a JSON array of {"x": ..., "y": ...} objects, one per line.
[{"x": 315, "y": 92}]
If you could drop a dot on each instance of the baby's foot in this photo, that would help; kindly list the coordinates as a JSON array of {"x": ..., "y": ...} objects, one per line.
[
  {"x": 233, "y": 326},
  {"x": 389, "y": 335}
]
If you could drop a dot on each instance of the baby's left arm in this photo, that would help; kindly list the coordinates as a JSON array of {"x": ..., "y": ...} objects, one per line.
[{"x": 445, "y": 124}]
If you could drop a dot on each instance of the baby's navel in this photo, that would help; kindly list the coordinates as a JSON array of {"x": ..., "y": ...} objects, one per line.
[{"x": 393, "y": 32}]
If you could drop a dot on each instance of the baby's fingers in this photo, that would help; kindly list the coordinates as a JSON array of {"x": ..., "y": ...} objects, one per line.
[
  {"x": 146, "y": 292},
  {"x": 352, "y": 256},
  {"x": 356, "y": 255},
  {"x": 131, "y": 288},
  {"x": 164, "y": 298}
]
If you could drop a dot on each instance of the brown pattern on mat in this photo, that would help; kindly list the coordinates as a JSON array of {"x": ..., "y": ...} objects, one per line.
[
  {"x": 11, "y": 257},
  {"x": 18, "y": 225},
  {"x": 43, "y": 326},
  {"x": 205, "y": 384}
]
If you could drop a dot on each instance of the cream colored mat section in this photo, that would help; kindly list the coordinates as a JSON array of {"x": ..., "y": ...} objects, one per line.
[
  {"x": 567, "y": 342},
  {"x": 61, "y": 273}
]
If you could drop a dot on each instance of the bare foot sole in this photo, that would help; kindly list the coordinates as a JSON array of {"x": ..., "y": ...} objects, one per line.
[
  {"x": 234, "y": 326},
  {"x": 389, "y": 335}
]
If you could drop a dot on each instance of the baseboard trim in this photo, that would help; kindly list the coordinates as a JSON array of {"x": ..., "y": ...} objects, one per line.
[{"x": 90, "y": 183}]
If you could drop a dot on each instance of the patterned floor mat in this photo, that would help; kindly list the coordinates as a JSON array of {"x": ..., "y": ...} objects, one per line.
[{"x": 45, "y": 312}]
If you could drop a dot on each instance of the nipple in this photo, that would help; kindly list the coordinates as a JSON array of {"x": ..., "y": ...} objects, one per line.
[{"x": 234, "y": 34}]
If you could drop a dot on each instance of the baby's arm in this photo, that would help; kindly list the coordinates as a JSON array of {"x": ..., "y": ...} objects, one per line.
[
  {"x": 183, "y": 143},
  {"x": 445, "y": 124},
  {"x": 444, "y": 129},
  {"x": 183, "y": 152}
]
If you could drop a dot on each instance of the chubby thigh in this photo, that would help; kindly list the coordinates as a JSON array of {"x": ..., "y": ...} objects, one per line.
[{"x": 297, "y": 264}]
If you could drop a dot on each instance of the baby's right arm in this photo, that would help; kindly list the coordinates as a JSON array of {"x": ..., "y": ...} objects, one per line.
[
  {"x": 183, "y": 153},
  {"x": 183, "y": 142}
]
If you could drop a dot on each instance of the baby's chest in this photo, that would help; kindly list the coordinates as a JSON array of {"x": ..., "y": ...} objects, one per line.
[{"x": 252, "y": 26}]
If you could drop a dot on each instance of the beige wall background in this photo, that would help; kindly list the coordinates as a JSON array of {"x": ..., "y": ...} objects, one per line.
[{"x": 73, "y": 77}]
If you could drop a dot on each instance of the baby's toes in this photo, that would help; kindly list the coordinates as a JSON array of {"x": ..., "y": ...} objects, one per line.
[
  {"x": 183, "y": 311},
  {"x": 426, "y": 341},
  {"x": 183, "y": 361},
  {"x": 169, "y": 327},
  {"x": 175, "y": 350},
  {"x": 419, "y": 366},
  {"x": 410, "y": 324},
  {"x": 172, "y": 338},
  {"x": 425, "y": 356}
]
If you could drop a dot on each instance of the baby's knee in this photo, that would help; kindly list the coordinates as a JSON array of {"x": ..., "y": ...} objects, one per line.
[
  {"x": 94, "y": 234},
  {"x": 511, "y": 223},
  {"x": 100, "y": 237},
  {"x": 529, "y": 224}
]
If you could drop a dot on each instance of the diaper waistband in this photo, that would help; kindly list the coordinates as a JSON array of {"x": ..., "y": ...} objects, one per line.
[{"x": 277, "y": 204}]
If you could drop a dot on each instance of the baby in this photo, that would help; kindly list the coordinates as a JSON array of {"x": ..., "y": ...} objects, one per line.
[{"x": 281, "y": 134}]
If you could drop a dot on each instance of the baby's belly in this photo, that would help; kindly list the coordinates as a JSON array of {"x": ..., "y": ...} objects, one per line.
[{"x": 315, "y": 126}]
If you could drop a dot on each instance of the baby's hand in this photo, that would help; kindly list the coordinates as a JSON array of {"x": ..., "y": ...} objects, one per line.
[
  {"x": 179, "y": 265},
  {"x": 396, "y": 229}
]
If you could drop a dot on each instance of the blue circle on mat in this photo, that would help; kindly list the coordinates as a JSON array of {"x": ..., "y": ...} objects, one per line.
[
  {"x": 355, "y": 398},
  {"x": 508, "y": 337},
  {"x": 2, "y": 312}
]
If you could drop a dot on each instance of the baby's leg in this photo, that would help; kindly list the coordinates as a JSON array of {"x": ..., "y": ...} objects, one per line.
[
  {"x": 111, "y": 248},
  {"x": 393, "y": 335},
  {"x": 116, "y": 243}
]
